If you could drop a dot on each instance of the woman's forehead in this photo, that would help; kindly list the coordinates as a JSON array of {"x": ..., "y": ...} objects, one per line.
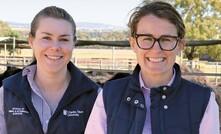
[
  {"x": 153, "y": 24},
  {"x": 54, "y": 25}
]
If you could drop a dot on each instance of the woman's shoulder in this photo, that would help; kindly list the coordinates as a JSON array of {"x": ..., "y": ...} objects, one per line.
[
  {"x": 119, "y": 81},
  {"x": 195, "y": 85},
  {"x": 1, "y": 99}
]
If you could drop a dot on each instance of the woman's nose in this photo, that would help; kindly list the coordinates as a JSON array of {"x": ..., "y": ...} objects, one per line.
[
  {"x": 55, "y": 44},
  {"x": 156, "y": 45}
]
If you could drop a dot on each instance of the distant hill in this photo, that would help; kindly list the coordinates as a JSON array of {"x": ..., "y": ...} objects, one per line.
[
  {"x": 89, "y": 25},
  {"x": 80, "y": 25},
  {"x": 19, "y": 25}
]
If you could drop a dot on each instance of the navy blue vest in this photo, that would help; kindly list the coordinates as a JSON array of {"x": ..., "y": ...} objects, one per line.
[
  {"x": 70, "y": 116},
  {"x": 175, "y": 109}
]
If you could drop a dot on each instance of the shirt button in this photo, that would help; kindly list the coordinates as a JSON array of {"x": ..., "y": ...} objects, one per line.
[
  {"x": 142, "y": 105},
  {"x": 165, "y": 107},
  {"x": 128, "y": 98},
  {"x": 164, "y": 97},
  {"x": 136, "y": 102},
  {"x": 164, "y": 88}
]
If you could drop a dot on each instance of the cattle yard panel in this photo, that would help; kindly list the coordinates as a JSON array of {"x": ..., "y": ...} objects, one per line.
[{"x": 212, "y": 70}]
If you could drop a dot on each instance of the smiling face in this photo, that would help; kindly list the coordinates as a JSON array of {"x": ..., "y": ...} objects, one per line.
[
  {"x": 156, "y": 62},
  {"x": 53, "y": 44}
]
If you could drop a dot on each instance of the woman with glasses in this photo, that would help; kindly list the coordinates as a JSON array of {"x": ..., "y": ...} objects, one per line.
[{"x": 155, "y": 99}]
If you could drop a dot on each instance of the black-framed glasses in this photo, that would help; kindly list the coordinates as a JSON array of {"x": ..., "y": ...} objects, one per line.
[{"x": 166, "y": 42}]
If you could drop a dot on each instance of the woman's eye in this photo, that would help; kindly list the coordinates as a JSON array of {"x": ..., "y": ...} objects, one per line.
[
  {"x": 166, "y": 39},
  {"x": 46, "y": 38},
  {"x": 148, "y": 39},
  {"x": 64, "y": 40}
]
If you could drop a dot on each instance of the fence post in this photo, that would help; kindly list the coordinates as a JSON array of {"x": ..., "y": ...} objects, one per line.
[
  {"x": 130, "y": 64},
  {"x": 24, "y": 61},
  {"x": 192, "y": 64},
  {"x": 216, "y": 80},
  {"x": 88, "y": 66},
  {"x": 75, "y": 61},
  {"x": 113, "y": 57},
  {"x": 5, "y": 46},
  {"x": 14, "y": 50}
]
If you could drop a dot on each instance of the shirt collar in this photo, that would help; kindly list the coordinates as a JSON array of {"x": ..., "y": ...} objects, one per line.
[
  {"x": 142, "y": 82},
  {"x": 29, "y": 70}
]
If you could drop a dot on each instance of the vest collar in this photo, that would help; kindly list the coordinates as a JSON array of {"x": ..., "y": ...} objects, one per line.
[
  {"x": 167, "y": 90},
  {"x": 78, "y": 85},
  {"x": 134, "y": 93}
]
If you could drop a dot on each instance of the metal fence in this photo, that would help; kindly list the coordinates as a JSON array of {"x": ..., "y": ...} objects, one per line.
[{"x": 212, "y": 70}]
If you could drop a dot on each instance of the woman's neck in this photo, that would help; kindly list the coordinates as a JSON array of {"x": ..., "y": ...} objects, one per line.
[
  {"x": 156, "y": 80},
  {"x": 53, "y": 80},
  {"x": 52, "y": 87}
]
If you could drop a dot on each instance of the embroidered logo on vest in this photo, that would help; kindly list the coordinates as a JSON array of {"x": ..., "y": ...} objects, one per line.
[
  {"x": 72, "y": 113},
  {"x": 18, "y": 111}
]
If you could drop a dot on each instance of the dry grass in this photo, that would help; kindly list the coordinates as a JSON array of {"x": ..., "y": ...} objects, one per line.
[
  {"x": 104, "y": 53},
  {"x": 89, "y": 53}
]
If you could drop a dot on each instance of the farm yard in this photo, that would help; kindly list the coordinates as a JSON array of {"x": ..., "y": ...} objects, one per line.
[
  {"x": 104, "y": 54},
  {"x": 120, "y": 60},
  {"x": 102, "y": 64}
]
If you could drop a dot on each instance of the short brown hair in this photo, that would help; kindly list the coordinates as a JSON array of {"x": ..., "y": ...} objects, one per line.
[{"x": 160, "y": 9}]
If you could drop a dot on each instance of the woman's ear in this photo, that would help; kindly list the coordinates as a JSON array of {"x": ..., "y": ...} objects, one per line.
[
  {"x": 133, "y": 45},
  {"x": 75, "y": 39},
  {"x": 181, "y": 44},
  {"x": 30, "y": 40}
]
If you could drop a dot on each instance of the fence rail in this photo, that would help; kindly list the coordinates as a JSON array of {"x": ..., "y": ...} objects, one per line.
[{"x": 210, "y": 69}]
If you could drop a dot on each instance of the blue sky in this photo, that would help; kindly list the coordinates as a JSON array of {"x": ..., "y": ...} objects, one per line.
[{"x": 114, "y": 12}]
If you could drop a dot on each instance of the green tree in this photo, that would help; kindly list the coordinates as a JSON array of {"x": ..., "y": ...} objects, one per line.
[
  {"x": 4, "y": 28},
  {"x": 203, "y": 22},
  {"x": 214, "y": 53},
  {"x": 82, "y": 35},
  {"x": 6, "y": 31}
]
